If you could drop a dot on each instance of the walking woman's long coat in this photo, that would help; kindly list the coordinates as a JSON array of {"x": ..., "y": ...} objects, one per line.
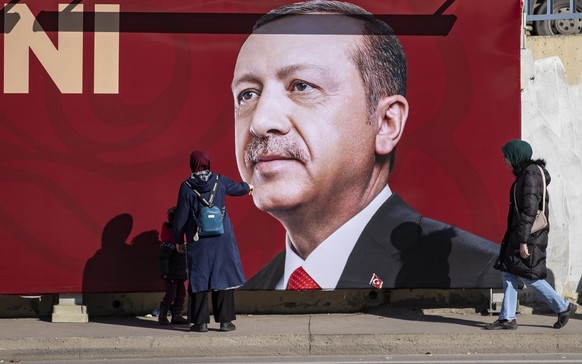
[{"x": 213, "y": 262}]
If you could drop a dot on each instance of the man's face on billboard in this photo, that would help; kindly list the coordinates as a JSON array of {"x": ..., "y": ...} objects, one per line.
[{"x": 302, "y": 135}]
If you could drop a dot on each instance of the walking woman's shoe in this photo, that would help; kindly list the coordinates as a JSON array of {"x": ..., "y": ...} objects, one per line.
[
  {"x": 199, "y": 327},
  {"x": 502, "y": 325},
  {"x": 564, "y": 316},
  {"x": 227, "y": 326}
]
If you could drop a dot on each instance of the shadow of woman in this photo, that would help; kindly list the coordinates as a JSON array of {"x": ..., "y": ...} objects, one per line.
[
  {"x": 424, "y": 256},
  {"x": 120, "y": 266}
]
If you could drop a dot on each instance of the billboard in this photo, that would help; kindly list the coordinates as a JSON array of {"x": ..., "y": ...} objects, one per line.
[{"x": 103, "y": 101}]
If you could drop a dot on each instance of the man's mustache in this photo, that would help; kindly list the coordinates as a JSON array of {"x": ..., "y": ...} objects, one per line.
[{"x": 279, "y": 147}]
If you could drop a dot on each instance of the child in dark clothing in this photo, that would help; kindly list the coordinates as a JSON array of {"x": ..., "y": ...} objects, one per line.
[{"x": 173, "y": 270}]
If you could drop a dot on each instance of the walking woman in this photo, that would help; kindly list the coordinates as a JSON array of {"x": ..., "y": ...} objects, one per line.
[
  {"x": 523, "y": 252},
  {"x": 213, "y": 261}
]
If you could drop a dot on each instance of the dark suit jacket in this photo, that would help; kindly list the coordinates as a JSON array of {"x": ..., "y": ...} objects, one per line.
[{"x": 407, "y": 250}]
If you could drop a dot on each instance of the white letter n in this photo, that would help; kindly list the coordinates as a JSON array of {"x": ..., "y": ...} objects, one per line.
[{"x": 64, "y": 64}]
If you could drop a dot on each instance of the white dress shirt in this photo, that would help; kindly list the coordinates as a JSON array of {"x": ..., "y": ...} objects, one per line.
[{"x": 326, "y": 263}]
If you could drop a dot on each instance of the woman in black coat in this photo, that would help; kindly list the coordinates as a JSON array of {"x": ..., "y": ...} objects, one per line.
[
  {"x": 523, "y": 252},
  {"x": 213, "y": 261}
]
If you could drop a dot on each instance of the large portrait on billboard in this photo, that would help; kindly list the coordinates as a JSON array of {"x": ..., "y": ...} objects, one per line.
[{"x": 370, "y": 131}]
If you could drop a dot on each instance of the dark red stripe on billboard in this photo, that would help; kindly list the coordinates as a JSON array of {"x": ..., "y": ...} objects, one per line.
[{"x": 213, "y": 23}]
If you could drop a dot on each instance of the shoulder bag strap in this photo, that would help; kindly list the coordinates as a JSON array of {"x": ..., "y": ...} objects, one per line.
[
  {"x": 544, "y": 193},
  {"x": 515, "y": 199}
]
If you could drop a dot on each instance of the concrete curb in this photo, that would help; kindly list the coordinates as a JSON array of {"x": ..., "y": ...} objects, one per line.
[
  {"x": 395, "y": 333},
  {"x": 284, "y": 345}
]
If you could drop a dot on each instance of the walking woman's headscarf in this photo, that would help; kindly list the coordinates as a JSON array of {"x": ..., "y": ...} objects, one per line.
[{"x": 517, "y": 151}]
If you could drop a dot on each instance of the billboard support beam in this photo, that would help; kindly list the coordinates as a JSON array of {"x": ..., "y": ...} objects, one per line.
[{"x": 70, "y": 309}]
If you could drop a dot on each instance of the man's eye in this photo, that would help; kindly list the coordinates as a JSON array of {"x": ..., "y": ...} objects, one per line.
[
  {"x": 246, "y": 95},
  {"x": 301, "y": 86}
]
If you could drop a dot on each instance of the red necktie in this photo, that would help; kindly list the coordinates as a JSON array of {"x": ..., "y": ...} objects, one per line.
[{"x": 301, "y": 281}]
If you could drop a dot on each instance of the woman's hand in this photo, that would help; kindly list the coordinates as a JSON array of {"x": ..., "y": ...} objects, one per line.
[{"x": 523, "y": 250}]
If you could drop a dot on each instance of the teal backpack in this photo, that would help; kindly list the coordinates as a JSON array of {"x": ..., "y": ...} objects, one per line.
[{"x": 209, "y": 219}]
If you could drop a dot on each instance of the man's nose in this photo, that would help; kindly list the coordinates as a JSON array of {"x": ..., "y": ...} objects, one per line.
[{"x": 270, "y": 116}]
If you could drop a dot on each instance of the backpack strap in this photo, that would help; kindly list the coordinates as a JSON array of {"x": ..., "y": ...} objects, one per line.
[
  {"x": 207, "y": 203},
  {"x": 213, "y": 191}
]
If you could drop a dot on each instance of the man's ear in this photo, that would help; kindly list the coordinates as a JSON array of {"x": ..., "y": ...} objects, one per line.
[{"x": 390, "y": 118}]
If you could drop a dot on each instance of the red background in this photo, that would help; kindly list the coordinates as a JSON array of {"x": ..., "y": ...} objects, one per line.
[{"x": 86, "y": 179}]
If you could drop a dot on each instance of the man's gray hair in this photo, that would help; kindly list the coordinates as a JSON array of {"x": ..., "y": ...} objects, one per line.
[{"x": 380, "y": 58}]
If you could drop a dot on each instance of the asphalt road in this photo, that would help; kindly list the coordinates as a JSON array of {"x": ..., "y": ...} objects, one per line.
[{"x": 349, "y": 359}]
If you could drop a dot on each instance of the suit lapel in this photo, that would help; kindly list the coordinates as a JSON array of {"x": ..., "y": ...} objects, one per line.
[
  {"x": 392, "y": 229},
  {"x": 269, "y": 276}
]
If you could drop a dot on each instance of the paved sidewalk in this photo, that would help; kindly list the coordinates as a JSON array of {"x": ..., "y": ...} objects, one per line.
[{"x": 437, "y": 331}]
